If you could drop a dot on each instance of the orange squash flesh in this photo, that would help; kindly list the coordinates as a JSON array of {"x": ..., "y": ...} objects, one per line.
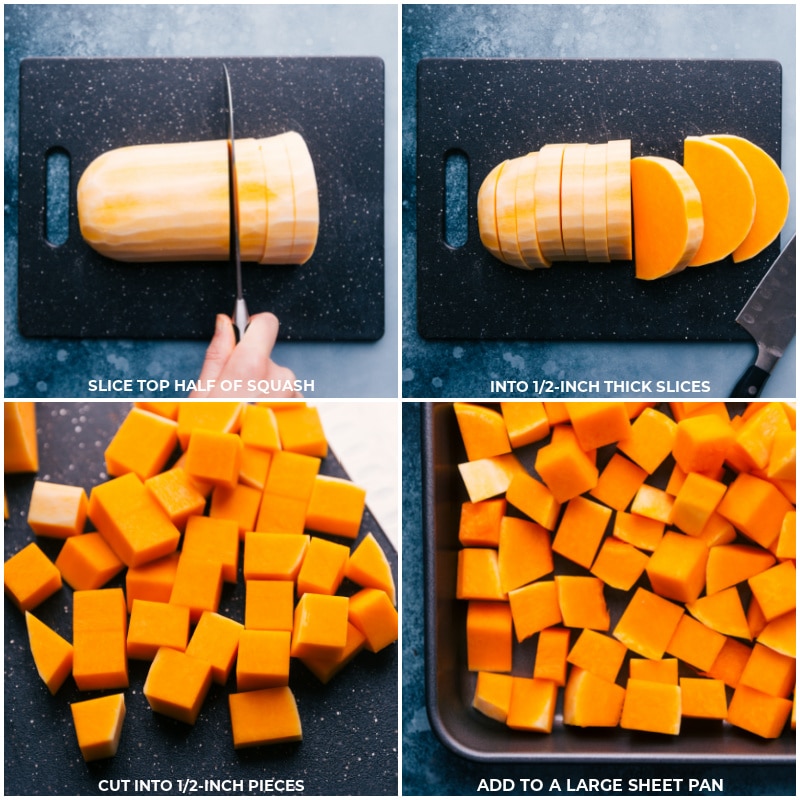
[
  {"x": 30, "y": 577},
  {"x": 552, "y": 650},
  {"x": 592, "y": 701},
  {"x": 524, "y": 553},
  {"x": 264, "y": 716},
  {"x": 759, "y": 713},
  {"x": 142, "y": 444},
  {"x": 177, "y": 685},
  {"x": 533, "y": 704},
  {"x": 98, "y": 725},
  {"x": 57, "y": 510},
  {"x": 493, "y": 695},
  {"x": 52, "y": 654},
  {"x": 20, "y": 445},
  {"x": 651, "y": 706}
]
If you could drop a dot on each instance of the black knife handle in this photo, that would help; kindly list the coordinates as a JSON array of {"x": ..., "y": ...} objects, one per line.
[{"x": 751, "y": 383}]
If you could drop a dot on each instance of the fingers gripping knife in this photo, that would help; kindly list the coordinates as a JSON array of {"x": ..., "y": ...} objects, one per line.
[{"x": 241, "y": 318}]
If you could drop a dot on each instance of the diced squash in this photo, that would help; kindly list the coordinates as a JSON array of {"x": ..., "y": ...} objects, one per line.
[
  {"x": 98, "y": 725},
  {"x": 483, "y": 431},
  {"x": 667, "y": 217},
  {"x": 151, "y": 581},
  {"x": 598, "y": 654},
  {"x": 30, "y": 577},
  {"x": 479, "y": 523},
  {"x": 653, "y": 503},
  {"x": 142, "y": 444},
  {"x": 565, "y": 467},
  {"x": 269, "y": 606},
  {"x": 582, "y": 602},
  {"x": 526, "y": 423},
  {"x": 597, "y": 424},
  {"x": 489, "y": 477},
  {"x": 177, "y": 494},
  {"x": 263, "y": 659},
  {"x": 759, "y": 713},
  {"x": 755, "y": 618},
  {"x": 177, "y": 684},
  {"x": 722, "y": 612},
  {"x": 533, "y": 705},
  {"x": 677, "y": 568},
  {"x": 662, "y": 670},
  {"x": 783, "y": 456},
  {"x": 99, "y": 631},
  {"x": 131, "y": 521},
  {"x": 320, "y": 626},
  {"x": 20, "y": 446},
  {"x": 786, "y": 546},
  {"x": 533, "y": 608},
  {"x": 695, "y": 502},
  {"x": 52, "y": 654},
  {"x": 368, "y": 566},
  {"x": 264, "y": 716},
  {"x": 323, "y": 567},
  {"x": 57, "y": 510},
  {"x": 651, "y": 706},
  {"x": 534, "y": 499},
  {"x": 524, "y": 553},
  {"x": 647, "y": 624},
  {"x": 281, "y": 514},
  {"x": 755, "y": 507},
  {"x": 754, "y": 441},
  {"x": 695, "y": 643},
  {"x": 772, "y": 195},
  {"x": 215, "y": 457},
  {"x": 769, "y": 672},
  {"x": 552, "y": 649},
  {"x": 730, "y": 663},
  {"x": 213, "y": 540},
  {"x": 650, "y": 440},
  {"x": 580, "y": 531},
  {"x": 292, "y": 475},
  {"x": 168, "y": 409},
  {"x": 222, "y": 417},
  {"x": 733, "y": 563},
  {"x": 300, "y": 430},
  {"x": 215, "y": 640},
  {"x": 493, "y": 695},
  {"x": 637, "y": 530},
  {"x": 775, "y": 589},
  {"x": 198, "y": 585},
  {"x": 238, "y": 503},
  {"x": 717, "y": 530},
  {"x": 87, "y": 562},
  {"x": 255, "y": 467},
  {"x": 373, "y": 613},
  {"x": 325, "y": 667},
  {"x": 336, "y": 506},
  {"x": 592, "y": 701},
  {"x": 618, "y": 482},
  {"x": 489, "y": 636},
  {"x": 703, "y": 698},
  {"x": 260, "y": 428},
  {"x": 619, "y": 564},
  {"x": 702, "y": 443},
  {"x": 780, "y": 634},
  {"x": 276, "y": 556},
  {"x": 153, "y": 625},
  {"x": 727, "y": 194}
]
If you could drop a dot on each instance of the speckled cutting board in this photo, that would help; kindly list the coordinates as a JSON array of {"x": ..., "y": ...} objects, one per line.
[
  {"x": 88, "y": 106},
  {"x": 350, "y": 730},
  {"x": 492, "y": 110}
]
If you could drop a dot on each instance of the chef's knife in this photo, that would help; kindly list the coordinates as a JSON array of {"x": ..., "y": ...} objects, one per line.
[
  {"x": 769, "y": 317},
  {"x": 240, "y": 316}
]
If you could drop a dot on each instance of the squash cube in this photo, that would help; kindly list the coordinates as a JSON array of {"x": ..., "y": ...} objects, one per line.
[
  {"x": 780, "y": 635},
  {"x": 619, "y": 564},
  {"x": 565, "y": 467},
  {"x": 598, "y": 654},
  {"x": 215, "y": 540},
  {"x": 87, "y": 562},
  {"x": 142, "y": 444},
  {"x": 274, "y": 556},
  {"x": 769, "y": 672},
  {"x": 533, "y": 608},
  {"x": 269, "y": 605},
  {"x": 281, "y": 514},
  {"x": 483, "y": 431},
  {"x": 177, "y": 494},
  {"x": 653, "y": 503},
  {"x": 647, "y": 624},
  {"x": 702, "y": 443},
  {"x": 525, "y": 422},
  {"x": 488, "y": 477},
  {"x": 650, "y": 441},
  {"x": 168, "y": 409},
  {"x": 264, "y": 716},
  {"x": 369, "y": 567},
  {"x": 300, "y": 430},
  {"x": 151, "y": 581},
  {"x": 592, "y": 701},
  {"x": 759, "y": 713},
  {"x": 663, "y": 670},
  {"x": 198, "y": 585},
  {"x": 696, "y": 501},
  {"x": 730, "y": 564},
  {"x": 478, "y": 575},
  {"x": 730, "y": 663},
  {"x": 263, "y": 659},
  {"x": 57, "y": 510},
  {"x": 755, "y": 507},
  {"x": 775, "y": 590},
  {"x": 783, "y": 457},
  {"x": 695, "y": 643},
  {"x": 534, "y": 499},
  {"x": 238, "y": 503},
  {"x": 52, "y": 654},
  {"x": 325, "y": 667},
  {"x": 222, "y": 417},
  {"x": 551, "y": 655},
  {"x": 30, "y": 577},
  {"x": 153, "y": 625},
  {"x": 479, "y": 523},
  {"x": 216, "y": 641},
  {"x": 131, "y": 521},
  {"x": 618, "y": 482},
  {"x": 580, "y": 531},
  {"x": 292, "y": 475},
  {"x": 255, "y": 467},
  {"x": 597, "y": 424},
  {"x": 722, "y": 612},
  {"x": 524, "y": 553},
  {"x": 99, "y": 631},
  {"x": 320, "y": 626},
  {"x": 260, "y": 428},
  {"x": 489, "y": 636},
  {"x": 98, "y": 725},
  {"x": 703, "y": 698},
  {"x": 641, "y": 532},
  {"x": 493, "y": 695},
  {"x": 20, "y": 446},
  {"x": 177, "y": 685},
  {"x": 786, "y": 546},
  {"x": 677, "y": 568},
  {"x": 582, "y": 602},
  {"x": 651, "y": 706},
  {"x": 214, "y": 457},
  {"x": 373, "y": 613},
  {"x": 336, "y": 506},
  {"x": 533, "y": 705}
]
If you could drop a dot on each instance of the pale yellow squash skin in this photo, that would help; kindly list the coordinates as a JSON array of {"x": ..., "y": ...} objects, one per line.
[
  {"x": 170, "y": 202},
  {"x": 547, "y": 202},
  {"x": 526, "y": 224},
  {"x": 487, "y": 219},
  {"x": 572, "y": 229},
  {"x": 618, "y": 199},
  {"x": 506, "y": 211},
  {"x": 594, "y": 203}
]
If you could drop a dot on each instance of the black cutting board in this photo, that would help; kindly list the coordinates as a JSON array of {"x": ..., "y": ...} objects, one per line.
[
  {"x": 88, "y": 106},
  {"x": 350, "y": 730},
  {"x": 490, "y": 110}
]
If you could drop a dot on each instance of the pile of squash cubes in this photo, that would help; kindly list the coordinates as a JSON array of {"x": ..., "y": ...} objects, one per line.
[
  {"x": 701, "y": 573},
  {"x": 247, "y": 481}
]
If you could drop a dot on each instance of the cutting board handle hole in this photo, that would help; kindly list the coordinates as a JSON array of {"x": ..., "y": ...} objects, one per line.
[
  {"x": 56, "y": 208},
  {"x": 456, "y": 200}
]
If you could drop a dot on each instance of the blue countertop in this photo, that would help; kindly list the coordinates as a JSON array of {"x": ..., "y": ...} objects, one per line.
[
  {"x": 61, "y": 367},
  {"x": 559, "y": 31}
]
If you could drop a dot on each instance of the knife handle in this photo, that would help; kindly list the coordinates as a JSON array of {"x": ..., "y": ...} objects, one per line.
[{"x": 751, "y": 383}]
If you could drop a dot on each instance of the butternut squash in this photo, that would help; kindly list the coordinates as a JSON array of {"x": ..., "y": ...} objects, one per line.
[
  {"x": 592, "y": 701},
  {"x": 169, "y": 202},
  {"x": 264, "y": 716},
  {"x": 98, "y": 725},
  {"x": 52, "y": 654},
  {"x": 177, "y": 684}
]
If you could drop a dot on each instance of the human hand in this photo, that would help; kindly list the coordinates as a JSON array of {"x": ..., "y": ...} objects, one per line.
[{"x": 249, "y": 360}]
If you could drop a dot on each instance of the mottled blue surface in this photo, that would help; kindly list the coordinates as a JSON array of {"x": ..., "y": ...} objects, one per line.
[
  {"x": 429, "y": 768},
  {"x": 61, "y": 368},
  {"x": 464, "y": 369}
]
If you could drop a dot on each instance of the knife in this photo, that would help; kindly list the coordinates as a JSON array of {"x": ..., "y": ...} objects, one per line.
[
  {"x": 241, "y": 318},
  {"x": 769, "y": 317}
]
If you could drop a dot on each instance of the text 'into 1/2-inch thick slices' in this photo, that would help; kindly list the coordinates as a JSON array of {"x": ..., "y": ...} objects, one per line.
[{"x": 593, "y": 202}]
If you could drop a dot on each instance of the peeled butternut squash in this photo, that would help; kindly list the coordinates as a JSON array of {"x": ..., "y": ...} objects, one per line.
[{"x": 169, "y": 202}]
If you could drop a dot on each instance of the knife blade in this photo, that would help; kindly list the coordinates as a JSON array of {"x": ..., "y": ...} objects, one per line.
[
  {"x": 769, "y": 317},
  {"x": 240, "y": 316}
]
